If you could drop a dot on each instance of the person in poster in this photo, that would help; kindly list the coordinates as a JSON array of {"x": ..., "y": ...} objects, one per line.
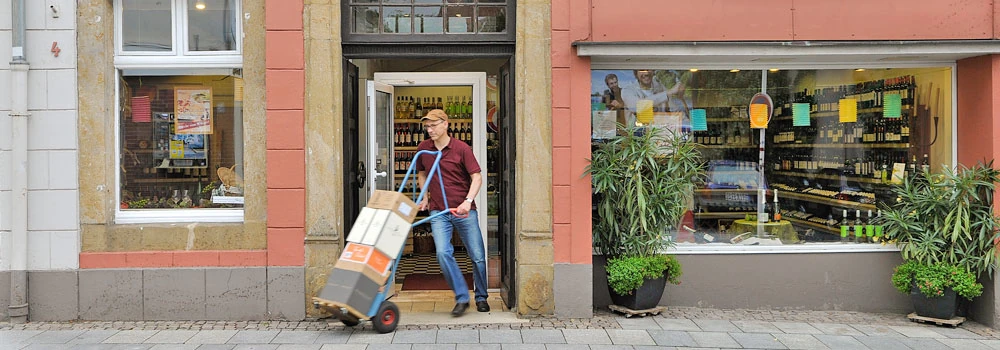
[
  {"x": 612, "y": 97},
  {"x": 647, "y": 88}
]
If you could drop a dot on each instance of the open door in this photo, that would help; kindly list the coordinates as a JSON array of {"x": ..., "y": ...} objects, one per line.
[
  {"x": 379, "y": 141},
  {"x": 355, "y": 174},
  {"x": 506, "y": 212}
]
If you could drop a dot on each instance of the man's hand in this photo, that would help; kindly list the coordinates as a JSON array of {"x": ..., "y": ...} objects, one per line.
[
  {"x": 463, "y": 209},
  {"x": 423, "y": 204}
]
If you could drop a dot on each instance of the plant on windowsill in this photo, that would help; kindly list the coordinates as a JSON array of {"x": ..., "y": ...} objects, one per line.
[
  {"x": 644, "y": 177},
  {"x": 946, "y": 229}
]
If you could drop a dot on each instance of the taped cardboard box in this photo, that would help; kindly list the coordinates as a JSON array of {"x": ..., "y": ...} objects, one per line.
[
  {"x": 398, "y": 203},
  {"x": 367, "y": 260},
  {"x": 369, "y": 217},
  {"x": 350, "y": 288}
]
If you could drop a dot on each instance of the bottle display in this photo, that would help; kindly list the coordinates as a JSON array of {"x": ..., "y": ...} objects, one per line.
[{"x": 830, "y": 173}]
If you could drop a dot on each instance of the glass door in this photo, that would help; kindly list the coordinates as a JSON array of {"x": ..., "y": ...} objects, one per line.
[{"x": 379, "y": 100}]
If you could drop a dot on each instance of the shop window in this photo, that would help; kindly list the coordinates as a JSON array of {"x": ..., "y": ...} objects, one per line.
[
  {"x": 180, "y": 116},
  {"x": 428, "y": 20},
  {"x": 836, "y": 142}
]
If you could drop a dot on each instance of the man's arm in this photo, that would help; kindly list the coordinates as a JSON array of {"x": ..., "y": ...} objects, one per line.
[
  {"x": 477, "y": 180},
  {"x": 421, "y": 176}
]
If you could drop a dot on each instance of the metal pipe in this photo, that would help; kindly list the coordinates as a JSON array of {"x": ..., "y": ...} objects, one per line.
[{"x": 18, "y": 309}]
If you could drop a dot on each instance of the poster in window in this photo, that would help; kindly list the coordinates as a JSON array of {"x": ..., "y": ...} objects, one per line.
[{"x": 193, "y": 110}]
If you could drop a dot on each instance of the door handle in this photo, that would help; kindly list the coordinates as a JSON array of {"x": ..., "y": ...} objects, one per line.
[{"x": 382, "y": 174}]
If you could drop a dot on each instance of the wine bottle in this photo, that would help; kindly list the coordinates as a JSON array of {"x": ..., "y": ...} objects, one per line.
[
  {"x": 777, "y": 210},
  {"x": 859, "y": 227},
  {"x": 844, "y": 227}
]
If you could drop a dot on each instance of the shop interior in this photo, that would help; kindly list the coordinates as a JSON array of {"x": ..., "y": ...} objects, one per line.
[
  {"x": 418, "y": 269},
  {"x": 836, "y": 141}
]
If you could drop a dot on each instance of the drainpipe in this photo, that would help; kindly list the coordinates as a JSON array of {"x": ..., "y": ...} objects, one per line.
[{"x": 18, "y": 309}]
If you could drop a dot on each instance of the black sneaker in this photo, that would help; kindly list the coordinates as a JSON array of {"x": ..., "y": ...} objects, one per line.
[
  {"x": 482, "y": 306},
  {"x": 459, "y": 309}
]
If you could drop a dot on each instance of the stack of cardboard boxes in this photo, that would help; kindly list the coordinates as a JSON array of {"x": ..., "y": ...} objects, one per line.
[{"x": 376, "y": 240}]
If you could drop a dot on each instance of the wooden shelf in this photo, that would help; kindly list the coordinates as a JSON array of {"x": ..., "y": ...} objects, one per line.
[
  {"x": 826, "y": 114},
  {"x": 841, "y": 145},
  {"x": 810, "y": 224},
  {"x": 832, "y": 177},
  {"x": 725, "y": 215},
  {"x": 404, "y": 148},
  {"x": 726, "y": 146},
  {"x": 169, "y": 181},
  {"x": 726, "y": 120},
  {"x": 831, "y": 201},
  {"x": 718, "y": 190}
]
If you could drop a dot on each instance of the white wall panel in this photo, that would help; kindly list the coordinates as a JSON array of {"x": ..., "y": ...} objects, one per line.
[
  {"x": 62, "y": 90},
  {"x": 38, "y": 170},
  {"x": 39, "y": 250},
  {"x": 65, "y": 252},
  {"x": 52, "y": 130},
  {"x": 53, "y": 210}
]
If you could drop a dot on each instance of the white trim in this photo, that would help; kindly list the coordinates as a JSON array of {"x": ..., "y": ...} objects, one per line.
[
  {"x": 237, "y": 31},
  {"x": 792, "y": 51},
  {"x": 147, "y": 216},
  {"x": 180, "y": 62},
  {"x": 119, "y": 11},
  {"x": 179, "y": 53},
  {"x": 811, "y": 248}
]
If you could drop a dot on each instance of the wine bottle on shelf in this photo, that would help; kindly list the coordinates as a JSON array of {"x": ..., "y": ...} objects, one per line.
[
  {"x": 844, "y": 227},
  {"x": 859, "y": 227},
  {"x": 870, "y": 227},
  {"x": 777, "y": 210}
]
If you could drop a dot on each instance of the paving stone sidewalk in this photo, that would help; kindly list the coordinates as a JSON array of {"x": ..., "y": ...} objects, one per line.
[{"x": 677, "y": 328}]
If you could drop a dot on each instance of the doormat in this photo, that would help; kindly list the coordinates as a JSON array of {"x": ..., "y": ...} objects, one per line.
[{"x": 427, "y": 281}]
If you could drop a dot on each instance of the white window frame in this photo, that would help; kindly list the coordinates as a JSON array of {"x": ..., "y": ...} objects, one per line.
[
  {"x": 179, "y": 56},
  {"x": 177, "y": 62}
]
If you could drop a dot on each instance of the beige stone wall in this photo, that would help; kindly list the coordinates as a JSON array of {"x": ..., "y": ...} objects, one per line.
[
  {"x": 96, "y": 88},
  {"x": 533, "y": 225},
  {"x": 324, "y": 143}
]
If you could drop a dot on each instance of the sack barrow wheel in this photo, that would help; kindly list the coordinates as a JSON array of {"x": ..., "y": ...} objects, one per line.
[{"x": 386, "y": 318}]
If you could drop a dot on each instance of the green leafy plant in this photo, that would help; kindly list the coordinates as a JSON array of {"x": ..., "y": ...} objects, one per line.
[
  {"x": 933, "y": 279},
  {"x": 946, "y": 217},
  {"x": 645, "y": 177},
  {"x": 626, "y": 274}
]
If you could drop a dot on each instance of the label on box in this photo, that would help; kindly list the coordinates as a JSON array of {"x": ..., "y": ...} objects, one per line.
[
  {"x": 372, "y": 232},
  {"x": 405, "y": 209},
  {"x": 379, "y": 262},
  {"x": 356, "y": 253},
  {"x": 392, "y": 235}
]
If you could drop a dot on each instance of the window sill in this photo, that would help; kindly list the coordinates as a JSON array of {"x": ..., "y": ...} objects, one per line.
[
  {"x": 178, "y": 215},
  {"x": 808, "y": 248}
]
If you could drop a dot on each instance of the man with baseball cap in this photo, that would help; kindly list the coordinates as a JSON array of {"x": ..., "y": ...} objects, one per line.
[{"x": 462, "y": 178}]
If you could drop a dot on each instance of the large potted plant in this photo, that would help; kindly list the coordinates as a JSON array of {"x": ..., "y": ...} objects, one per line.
[
  {"x": 644, "y": 178},
  {"x": 945, "y": 228}
]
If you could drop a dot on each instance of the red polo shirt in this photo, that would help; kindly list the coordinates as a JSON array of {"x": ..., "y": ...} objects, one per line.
[{"x": 457, "y": 163}]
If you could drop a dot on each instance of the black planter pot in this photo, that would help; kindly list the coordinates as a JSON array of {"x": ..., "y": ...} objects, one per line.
[
  {"x": 646, "y": 297},
  {"x": 942, "y": 307}
]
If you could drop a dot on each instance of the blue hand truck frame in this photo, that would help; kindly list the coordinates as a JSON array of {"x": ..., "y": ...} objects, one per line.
[{"x": 384, "y": 314}]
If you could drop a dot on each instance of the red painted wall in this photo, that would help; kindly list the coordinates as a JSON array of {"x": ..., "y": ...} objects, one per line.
[
  {"x": 978, "y": 104},
  {"x": 768, "y": 20}
]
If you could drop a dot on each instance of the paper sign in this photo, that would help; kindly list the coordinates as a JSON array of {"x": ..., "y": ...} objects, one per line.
[
  {"x": 176, "y": 149},
  {"x": 644, "y": 111},
  {"x": 892, "y": 106},
  {"x": 848, "y": 110},
  {"x": 898, "y": 171},
  {"x": 758, "y": 116},
  {"x": 603, "y": 124},
  {"x": 699, "y": 120},
  {"x": 800, "y": 114},
  {"x": 193, "y": 110}
]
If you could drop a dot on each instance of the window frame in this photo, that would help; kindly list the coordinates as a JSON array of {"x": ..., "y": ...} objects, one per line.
[
  {"x": 349, "y": 37},
  {"x": 180, "y": 56},
  {"x": 179, "y": 62},
  {"x": 833, "y": 247}
]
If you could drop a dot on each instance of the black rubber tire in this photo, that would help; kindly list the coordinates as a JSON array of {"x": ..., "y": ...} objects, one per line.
[
  {"x": 386, "y": 318},
  {"x": 349, "y": 321}
]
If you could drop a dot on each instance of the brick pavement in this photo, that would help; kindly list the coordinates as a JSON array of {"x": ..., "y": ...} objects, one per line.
[{"x": 678, "y": 327}]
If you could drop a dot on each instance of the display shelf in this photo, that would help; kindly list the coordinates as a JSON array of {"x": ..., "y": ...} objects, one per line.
[
  {"x": 831, "y": 201},
  {"x": 405, "y": 148},
  {"x": 813, "y": 225},
  {"x": 723, "y": 215},
  {"x": 405, "y": 120},
  {"x": 726, "y": 146},
  {"x": 832, "y": 177},
  {"x": 169, "y": 181},
  {"x": 726, "y": 120},
  {"x": 842, "y": 145},
  {"x": 826, "y": 114},
  {"x": 718, "y": 190}
]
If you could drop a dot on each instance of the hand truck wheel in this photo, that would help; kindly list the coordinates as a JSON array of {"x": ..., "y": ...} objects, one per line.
[
  {"x": 386, "y": 318},
  {"x": 349, "y": 321}
]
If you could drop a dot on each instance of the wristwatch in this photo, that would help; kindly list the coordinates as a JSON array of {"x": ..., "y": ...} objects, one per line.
[{"x": 468, "y": 200}]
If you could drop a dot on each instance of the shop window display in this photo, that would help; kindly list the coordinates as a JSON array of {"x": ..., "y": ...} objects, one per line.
[
  {"x": 836, "y": 141},
  {"x": 179, "y": 142}
]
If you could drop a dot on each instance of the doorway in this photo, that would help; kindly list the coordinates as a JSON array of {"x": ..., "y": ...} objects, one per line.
[{"x": 480, "y": 114}]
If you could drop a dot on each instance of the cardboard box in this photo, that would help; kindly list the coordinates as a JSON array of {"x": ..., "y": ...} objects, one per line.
[
  {"x": 398, "y": 203},
  {"x": 392, "y": 235},
  {"x": 360, "y": 228},
  {"x": 351, "y": 288},
  {"x": 366, "y": 259}
]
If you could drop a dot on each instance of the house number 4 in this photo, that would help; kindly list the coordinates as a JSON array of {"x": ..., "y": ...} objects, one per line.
[{"x": 55, "y": 49}]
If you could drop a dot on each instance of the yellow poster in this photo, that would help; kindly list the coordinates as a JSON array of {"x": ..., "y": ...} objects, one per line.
[
  {"x": 644, "y": 111},
  {"x": 176, "y": 149},
  {"x": 758, "y": 116},
  {"x": 193, "y": 110}
]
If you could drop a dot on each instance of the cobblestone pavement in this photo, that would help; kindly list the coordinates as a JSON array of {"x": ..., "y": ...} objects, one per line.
[{"x": 676, "y": 328}]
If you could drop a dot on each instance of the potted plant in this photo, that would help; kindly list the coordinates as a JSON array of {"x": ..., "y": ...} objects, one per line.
[
  {"x": 644, "y": 177},
  {"x": 943, "y": 222}
]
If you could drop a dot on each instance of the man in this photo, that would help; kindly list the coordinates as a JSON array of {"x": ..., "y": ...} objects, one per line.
[
  {"x": 612, "y": 97},
  {"x": 648, "y": 89},
  {"x": 462, "y": 178}
]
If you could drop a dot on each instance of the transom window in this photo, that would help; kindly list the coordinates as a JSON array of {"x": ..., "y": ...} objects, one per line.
[
  {"x": 178, "y": 31},
  {"x": 418, "y": 20}
]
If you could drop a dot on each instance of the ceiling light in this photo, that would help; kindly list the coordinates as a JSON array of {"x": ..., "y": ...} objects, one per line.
[
  {"x": 693, "y": 69},
  {"x": 859, "y": 70},
  {"x": 772, "y": 70},
  {"x": 734, "y": 70},
  {"x": 199, "y": 5},
  {"x": 458, "y": 15}
]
